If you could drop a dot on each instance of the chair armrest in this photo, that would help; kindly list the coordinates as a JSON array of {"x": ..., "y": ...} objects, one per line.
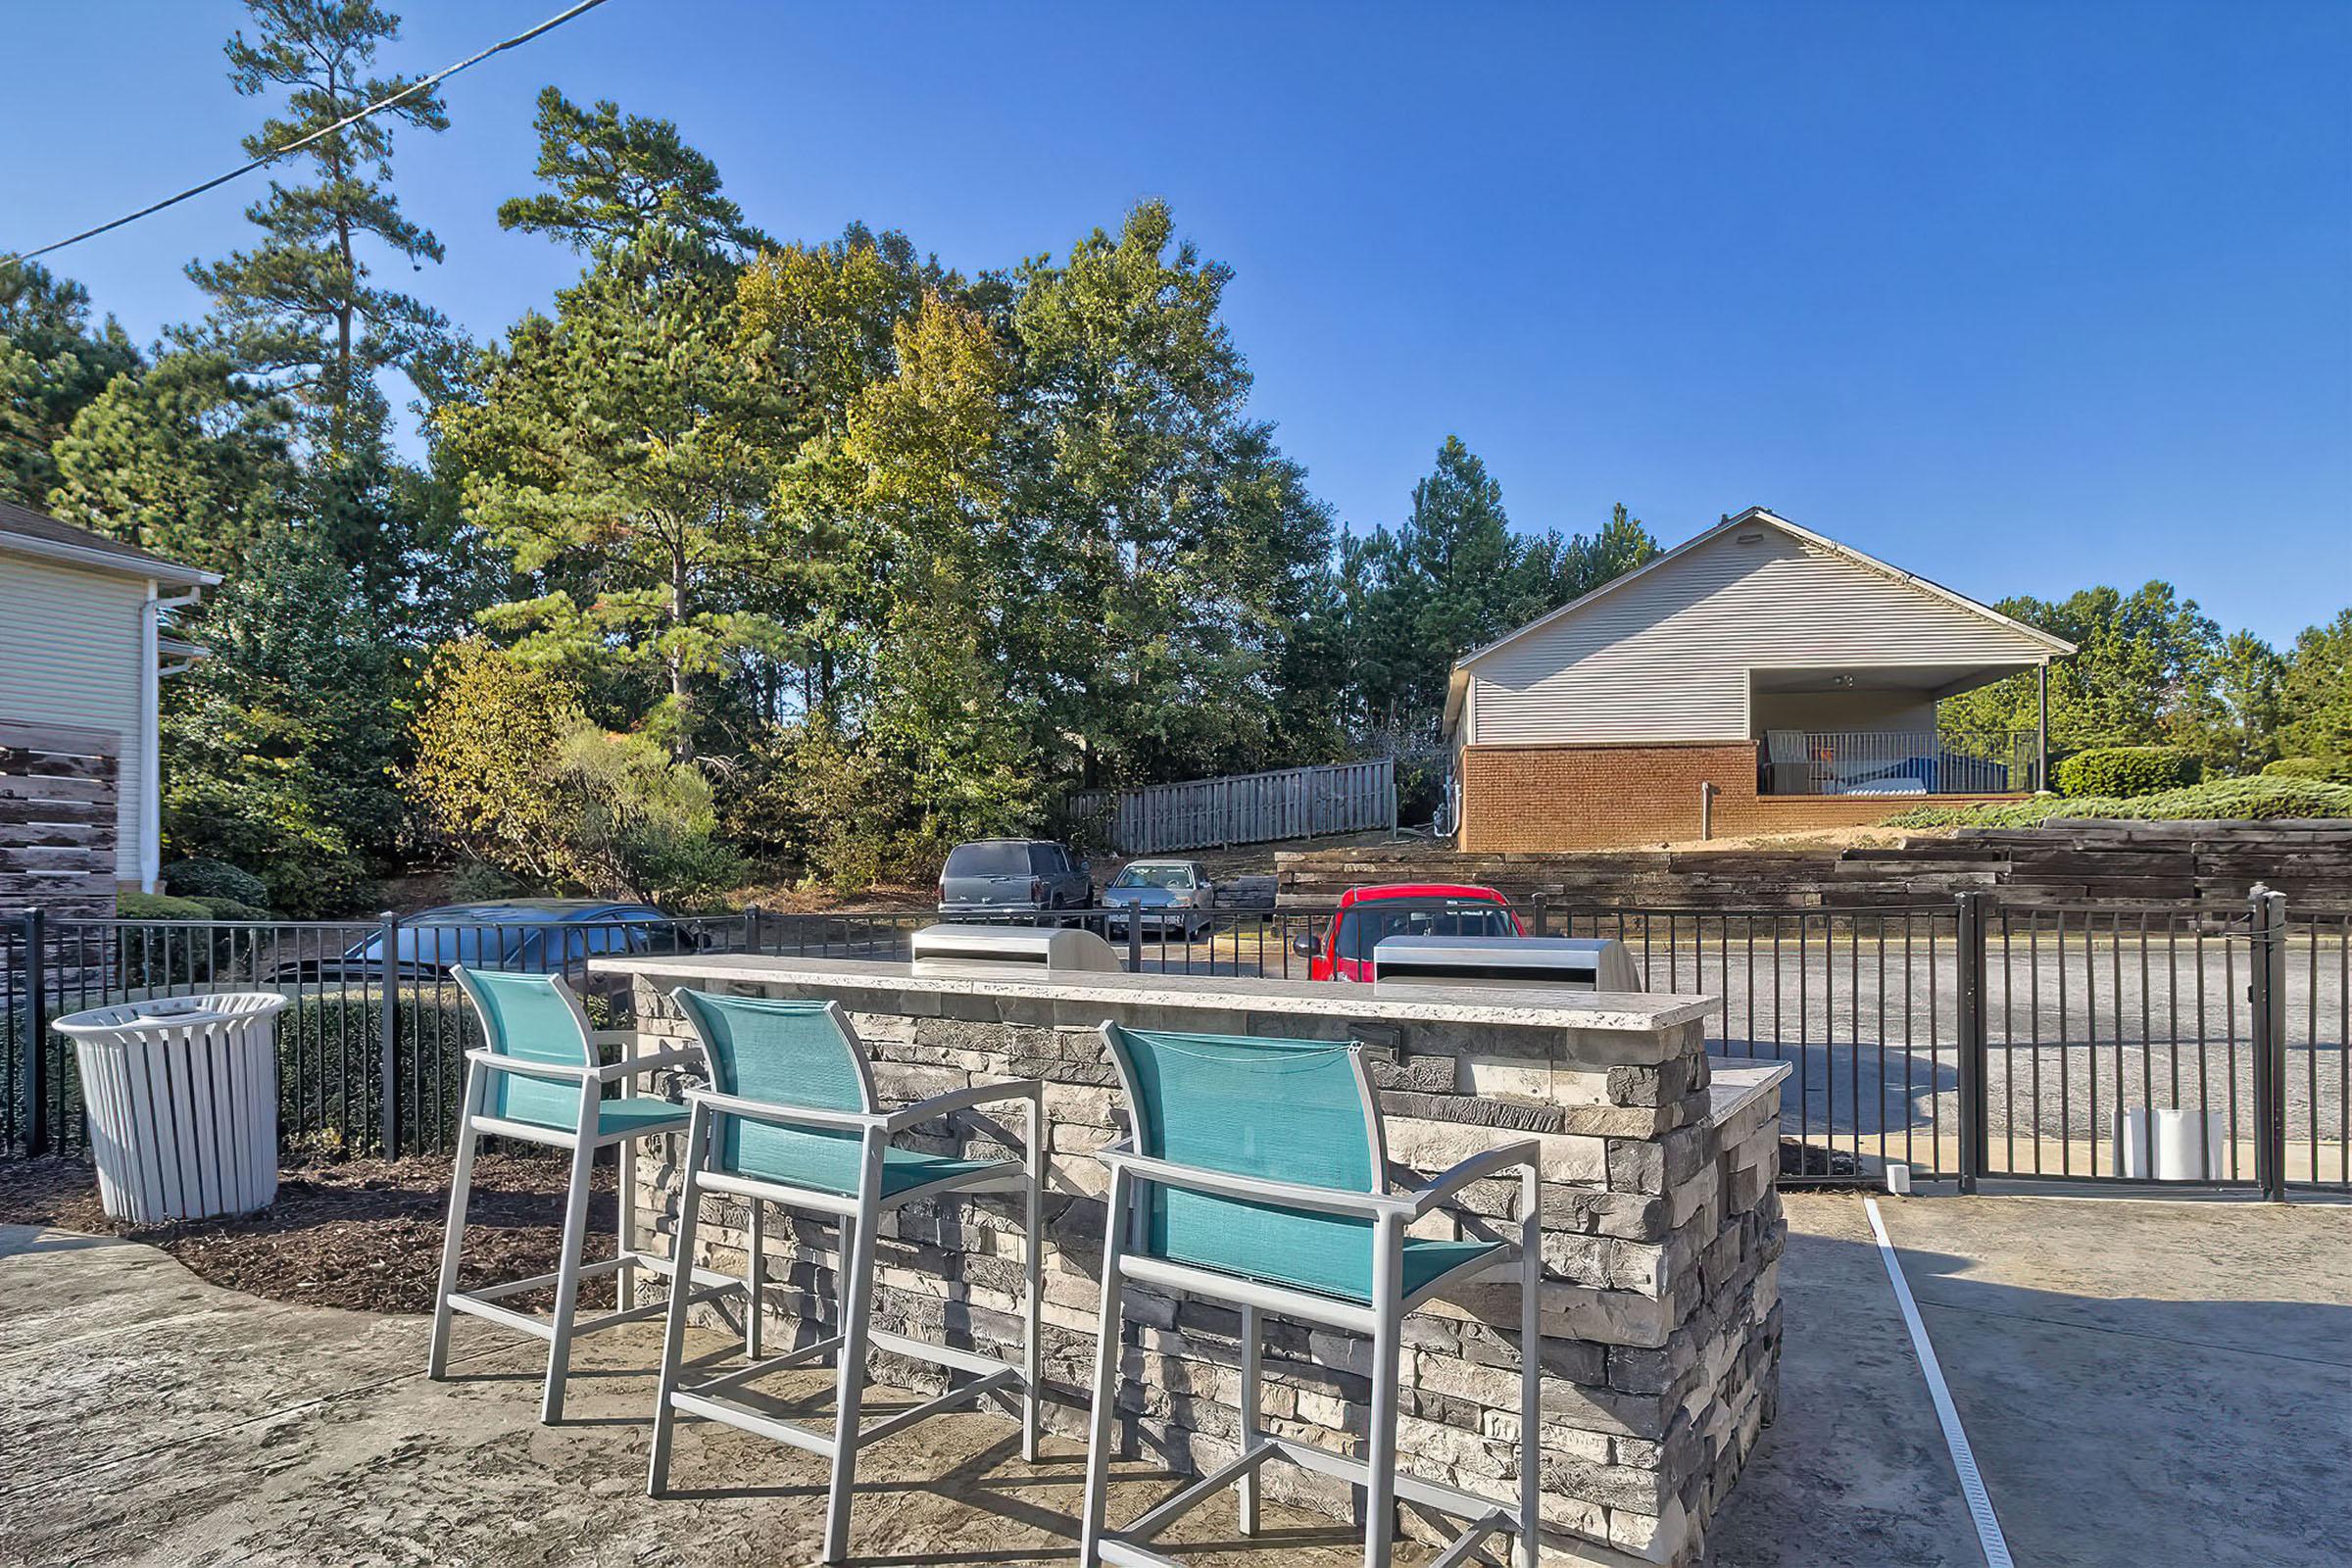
[
  {"x": 956, "y": 1100},
  {"x": 496, "y": 1062},
  {"x": 1250, "y": 1189},
  {"x": 631, "y": 1066},
  {"x": 1526, "y": 1155},
  {"x": 782, "y": 1116}
]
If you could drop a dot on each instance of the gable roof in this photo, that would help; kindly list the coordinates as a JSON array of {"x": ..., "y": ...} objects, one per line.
[
  {"x": 2057, "y": 646},
  {"x": 1459, "y": 681},
  {"x": 37, "y": 533}
]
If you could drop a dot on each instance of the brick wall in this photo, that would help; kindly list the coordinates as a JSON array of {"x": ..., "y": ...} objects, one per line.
[
  {"x": 57, "y": 819},
  {"x": 1536, "y": 798}
]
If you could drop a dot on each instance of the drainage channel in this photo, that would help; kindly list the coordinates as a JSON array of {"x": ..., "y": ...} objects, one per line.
[{"x": 1955, "y": 1437}]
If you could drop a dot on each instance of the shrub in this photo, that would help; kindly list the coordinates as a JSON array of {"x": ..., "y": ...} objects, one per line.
[
  {"x": 646, "y": 827},
  {"x": 488, "y": 737},
  {"x": 233, "y": 910},
  {"x": 158, "y": 906},
  {"x": 2224, "y": 799},
  {"x": 2327, "y": 769},
  {"x": 205, "y": 878},
  {"x": 2120, "y": 772}
]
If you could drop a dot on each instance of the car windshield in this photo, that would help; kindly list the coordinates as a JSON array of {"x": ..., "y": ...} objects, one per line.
[
  {"x": 987, "y": 859},
  {"x": 1365, "y": 927},
  {"x": 474, "y": 945},
  {"x": 1154, "y": 876}
]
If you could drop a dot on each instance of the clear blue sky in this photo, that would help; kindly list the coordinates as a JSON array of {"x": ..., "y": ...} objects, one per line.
[{"x": 2019, "y": 296}]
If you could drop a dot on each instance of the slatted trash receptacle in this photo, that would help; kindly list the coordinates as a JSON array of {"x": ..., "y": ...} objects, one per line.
[{"x": 181, "y": 1094}]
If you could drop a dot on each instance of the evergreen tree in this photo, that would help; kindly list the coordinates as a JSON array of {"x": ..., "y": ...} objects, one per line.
[
  {"x": 2144, "y": 674},
  {"x": 620, "y": 454},
  {"x": 185, "y": 459},
  {"x": 2315, "y": 694},
  {"x": 52, "y": 365},
  {"x": 611, "y": 174}
]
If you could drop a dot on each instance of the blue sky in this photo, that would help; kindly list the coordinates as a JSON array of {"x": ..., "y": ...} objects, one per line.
[{"x": 2019, "y": 296}]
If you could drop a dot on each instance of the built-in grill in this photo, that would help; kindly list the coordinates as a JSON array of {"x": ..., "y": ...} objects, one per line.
[
  {"x": 1580, "y": 963},
  {"x": 1012, "y": 950}
]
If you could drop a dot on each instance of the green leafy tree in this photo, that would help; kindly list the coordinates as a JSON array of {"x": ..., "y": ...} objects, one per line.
[
  {"x": 53, "y": 365},
  {"x": 1174, "y": 537},
  {"x": 2247, "y": 677},
  {"x": 280, "y": 746},
  {"x": 2315, "y": 693},
  {"x": 186, "y": 460},
  {"x": 611, "y": 174}
]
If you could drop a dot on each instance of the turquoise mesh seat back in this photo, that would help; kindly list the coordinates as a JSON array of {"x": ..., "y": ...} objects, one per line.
[
  {"x": 1285, "y": 1110},
  {"x": 532, "y": 1017},
  {"x": 797, "y": 1055}
]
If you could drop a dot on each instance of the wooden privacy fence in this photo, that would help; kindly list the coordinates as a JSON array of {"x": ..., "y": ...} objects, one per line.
[{"x": 1292, "y": 802}]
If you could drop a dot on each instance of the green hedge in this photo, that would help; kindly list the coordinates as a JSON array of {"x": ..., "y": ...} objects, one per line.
[
  {"x": 329, "y": 1044},
  {"x": 2121, "y": 772},
  {"x": 158, "y": 906},
  {"x": 208, "y": 880},
  {"x": 2224, "y": 799},
  {"x": 2327, "y": 770}
]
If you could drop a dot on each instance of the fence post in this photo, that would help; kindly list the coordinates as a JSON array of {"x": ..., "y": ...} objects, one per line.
[
  {"x": 1135, "y": 938},
  {"x": 39, "y": 1135},
  {"x": 750, "y": 928},
  {"x": 1540, "y": 905},
  {"x": 388, "y": 1066},
  {"x": 1975, "y": 1134},
  {"x": 2266, "y": 993}
]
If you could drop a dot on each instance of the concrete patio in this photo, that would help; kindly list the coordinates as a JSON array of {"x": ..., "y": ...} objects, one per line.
[{"x": 2140, "y": 1379}]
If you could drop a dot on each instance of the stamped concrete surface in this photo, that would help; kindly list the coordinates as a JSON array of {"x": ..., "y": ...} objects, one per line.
[
  {"x": 149, "y": 1417},
  {"x": 2144, "y": 1382}
]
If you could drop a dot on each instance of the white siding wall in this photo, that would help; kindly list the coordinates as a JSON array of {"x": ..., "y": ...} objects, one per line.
[
  {"x": 1666, "y": 657},
  {"x": 1859, "y": 710},
  {"x": 69, "y": 655}
]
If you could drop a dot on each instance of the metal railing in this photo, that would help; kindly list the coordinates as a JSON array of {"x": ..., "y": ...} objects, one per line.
[
  {"x": 1899, "y": 763},
  {"x": 1967, "y": 1039}
]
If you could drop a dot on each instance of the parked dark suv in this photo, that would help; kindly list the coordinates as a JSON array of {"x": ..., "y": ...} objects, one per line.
[{"x": 1013, "y": 876}]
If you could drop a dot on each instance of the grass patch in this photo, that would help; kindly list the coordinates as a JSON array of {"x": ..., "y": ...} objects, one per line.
[{"x": 2254, "y": 800}]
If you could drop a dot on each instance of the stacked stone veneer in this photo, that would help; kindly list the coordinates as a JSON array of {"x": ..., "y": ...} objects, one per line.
[{"x": 1662, "y": 1234}]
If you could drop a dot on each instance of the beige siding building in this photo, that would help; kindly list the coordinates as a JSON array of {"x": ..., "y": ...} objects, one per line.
[
  {"x": 83, "y": 644},
  {"x": 1756, "y": 677}
]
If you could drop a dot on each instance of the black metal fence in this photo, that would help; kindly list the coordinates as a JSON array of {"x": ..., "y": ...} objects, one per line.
[{"x": 1969, "y": 1040}]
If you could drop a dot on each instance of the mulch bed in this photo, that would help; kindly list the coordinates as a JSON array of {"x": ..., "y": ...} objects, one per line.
[{"x": 360, "y": 1234}]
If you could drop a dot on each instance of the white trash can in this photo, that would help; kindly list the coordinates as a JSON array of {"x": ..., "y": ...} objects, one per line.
[
  {"x": 2170, "y": 1145},
  {"x": 181, "y": 1094}
]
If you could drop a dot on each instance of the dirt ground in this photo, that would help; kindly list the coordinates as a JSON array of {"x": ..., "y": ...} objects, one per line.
[{"x": 363, "y": 1235}]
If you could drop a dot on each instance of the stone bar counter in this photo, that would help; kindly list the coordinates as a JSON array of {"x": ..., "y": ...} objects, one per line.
[{"x": 1662, "y": 1228}]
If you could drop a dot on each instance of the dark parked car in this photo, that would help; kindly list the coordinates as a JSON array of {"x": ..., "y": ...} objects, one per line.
[
  {"x": 1012, "y": 876},
  {"x": 526, "y": 936},
  {"x": 1164, "y": 896}
]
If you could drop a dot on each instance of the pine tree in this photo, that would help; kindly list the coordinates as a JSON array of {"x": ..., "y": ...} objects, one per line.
[
  {"x": 52, "y": 365},
  {"x": 611, "y": 174}
]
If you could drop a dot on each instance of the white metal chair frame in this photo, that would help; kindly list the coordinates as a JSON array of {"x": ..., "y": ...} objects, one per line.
[
  {"x": 583, "y": 1140},
  {"x": 1133, "y": 1174},
  {"x": 858, "y": 1217}
]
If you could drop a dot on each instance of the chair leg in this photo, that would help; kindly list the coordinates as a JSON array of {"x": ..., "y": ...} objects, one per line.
[
  {"x": 453, "y": 1237},
  {"x": 1033, "y": 1251},
  {"x": 1380, "y": 1475},
  {"x": 857, "y": 1301},
  {"x": 1245, "y": 1491},
  {"x": 624, "y": 1230},
  {"x": 673, "y": 1329},
  {"x": 1107, "y": 1383},
  {"x": 755, "y": 1277},
  {"x": 568, "y": 1277},
  {"x": 1531, "y": 1377}
]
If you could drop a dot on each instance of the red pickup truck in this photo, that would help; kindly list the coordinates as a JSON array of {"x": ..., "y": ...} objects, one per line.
[{"x": 1403, "y": 910}]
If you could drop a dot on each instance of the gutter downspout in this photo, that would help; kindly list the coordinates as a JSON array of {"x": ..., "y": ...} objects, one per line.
[
  {"x": 2041, "y": 726},
  {"x": 151, "y": 759}
]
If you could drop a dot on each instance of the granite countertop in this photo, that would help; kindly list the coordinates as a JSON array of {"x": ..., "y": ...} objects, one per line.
[
  {"x": 1729, "y": 1088},
  {"x": 1534, "y": 1006}
]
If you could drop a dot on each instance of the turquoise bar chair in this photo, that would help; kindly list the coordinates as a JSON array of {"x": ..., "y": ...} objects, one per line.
[
  {"x": 791, "y": 1118},
  {"x": 1257, "y": 1175},
  {"x": 540, "y": 1077}
]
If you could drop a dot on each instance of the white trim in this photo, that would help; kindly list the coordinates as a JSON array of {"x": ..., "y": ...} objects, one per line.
[
  {"x": 107, "y": 560},
  {"x": 2056, "y": 645},
  {"x": 1989, "y": 1538},
  {"x": 151, "y": 738}
]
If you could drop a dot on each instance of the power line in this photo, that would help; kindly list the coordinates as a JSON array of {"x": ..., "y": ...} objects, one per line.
[{"x": 274, "y": 154}]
